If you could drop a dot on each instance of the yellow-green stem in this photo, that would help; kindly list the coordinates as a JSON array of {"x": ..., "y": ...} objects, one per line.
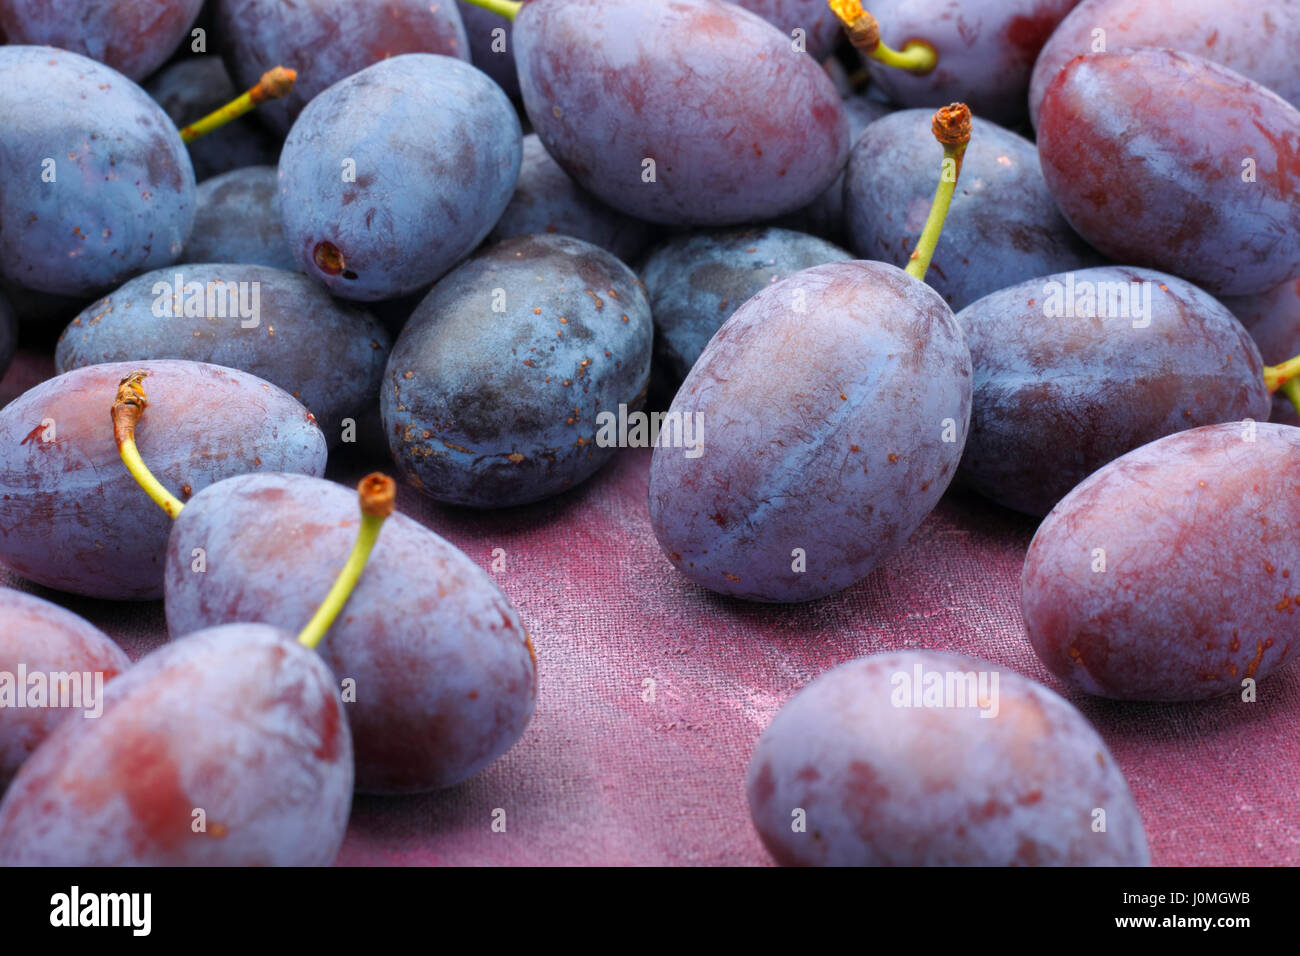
[
  {"x": 916, "y": 57},
  {"x": 1291, "y": 389},
  {"x": 273, "y": 85},
  {"x": 128, "y": 406},
  {"x": 376, "y": 492},
  {"x": 504, "y": 8},
  {"x": 1275, "y": 376},
  {"x": 863, "y": 32},
  {"x": 952, "y": 129}
]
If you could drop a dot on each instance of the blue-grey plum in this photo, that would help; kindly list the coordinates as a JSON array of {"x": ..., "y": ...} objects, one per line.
[
  {"x": 238, "y": 220},
  {"x": 832, "y": 408},
  {"x": 227, "y": 748},
  {"x": 547, "y": 200},
  {"x": 134, "y": 37},
  {"x": 924, "y": 758},
  {"x": 96, "y": 183},
  {"x": 277, "y": 325},
  {"x": 1003, "y": 227},
  {"x": 189, "y": 90},
  {"x": 696, "y": 281},
  {"x": 1216, "y": 201},
  {"x": 499, "y": 388},
  {"x": 394, "y": 174},
  {"x": 443, "y": 678},
  {"x": 820, "y": 29},
  {"x": 1075, "y": 369},
  {"x": 327, "y": 40},
  {"x": 490, "y": 51},
  {"x": 701, "y": 113},
  {"x": 53, "y": 666},
  {"x": 71, "y": 516},
  {"x": 1171, "y": 573}
]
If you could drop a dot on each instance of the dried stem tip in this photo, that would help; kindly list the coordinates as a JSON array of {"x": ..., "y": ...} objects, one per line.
[
  {"x": 128, "y": 406},
  {"x": 951, "y": 125},
  {"x": 862, "y": 29},
  {"x": 274, "y": 84},
  {"x": 378, "y": 495}
]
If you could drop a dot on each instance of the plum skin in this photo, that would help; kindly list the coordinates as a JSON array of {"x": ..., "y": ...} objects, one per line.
[
  {"x": 887, "y": 785},
  {"x": 1201, "y": 560},
  {"x": 834, "y": 430},
  {"x": 445, "y": 679},
  {"x": 240, "y": 721}
]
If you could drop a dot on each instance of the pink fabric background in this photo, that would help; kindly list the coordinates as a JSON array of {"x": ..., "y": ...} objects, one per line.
[{"x": 603, "y": 777}]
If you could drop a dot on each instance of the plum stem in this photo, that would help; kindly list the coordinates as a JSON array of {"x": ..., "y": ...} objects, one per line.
[
  {"x": 502, "y": 8},
  {"x": 951, "y": 128},
  {"x": 1275, "y": 376},
  {"x": 1291, "y": 389},
  {"x": 376, "y": 493},
  {"x": 273, "y": 85},
  {"x": 128, "y": 406},
  {"x": 863, "y": 31}
]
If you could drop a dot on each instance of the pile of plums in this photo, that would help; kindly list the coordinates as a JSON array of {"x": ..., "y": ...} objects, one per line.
[{"x": 472, "y": 235}]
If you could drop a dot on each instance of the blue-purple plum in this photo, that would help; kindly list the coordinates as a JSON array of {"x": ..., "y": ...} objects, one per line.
[
  {"x": 1257, "y": 38},
  {"x": 924, "y": 758},
  {"x": 699, "y": 113},
  {"x": 64, "y": 663},
  {"x": 1003, "y": 227},
  {"x": 547, "y": 200},
  {"x": 1073, "y": 370},
  {"x": 442, "y": 669},
  {"x": 72, "y": 518},
  {"x": 985, "y": 51},
  {"x": 491, "y": 52},
  {"x": 497, "y": 388},
  {"x": 227, "y": 748},
  {"x": 189, "y": 90},
  {"x": 96, "y": 183},
  {"x": 1215, "y": 200},
  {"x": 1173, "y": 573},
  {"x": 821, "y": 30},
  {"x": 134, "y": 37},
  {"x": 394, "y": 174},
  {"x": 238, "y": 220},
  {"x": 277, "y": 325},
  {"x": 328, "y": 40},
  {"x": 696, "y": 281},
  {"x": 833, "y": 408}
]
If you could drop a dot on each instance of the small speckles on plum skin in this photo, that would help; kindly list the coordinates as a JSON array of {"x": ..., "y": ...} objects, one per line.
[
  {"x": 240, "y": 721},
  {"x": 470, "y": 390},
  {"x": 1057, "y": 398},
  {"x": 1152, "y": 187},
  {"x": 905, "y": 786},
  {"x": 444, "y": 679},
  {"x": 610, "y": 83},
  {"x": 73, "y": 519},
  {"x": 1199, "y": 535},
  {"x": 802, "y": 412}
]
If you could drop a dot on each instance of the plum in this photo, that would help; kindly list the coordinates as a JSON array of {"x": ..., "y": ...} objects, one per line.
[{"x": 237, "y": 219}]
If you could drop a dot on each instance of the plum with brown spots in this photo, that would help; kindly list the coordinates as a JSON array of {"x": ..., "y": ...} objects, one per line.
[
  {"x": 1003, "y": 227},
  {"x": 132, "y": 36},
  {"x": 738, "y": 124},
  {"x": 497, "y": 386},
  {"x": 394, "y": 174},
  {"x": 239, "y": 722},
  {"x": 985, "y": 50},
  {"x": 1257, "y": 38},
  {"x": 45, "y": 639},
  {"x": 327, "y": 40},
  {"x": 1174, "y": 572},
  {"x": 1164, "y": 159},
  {"x": 833, "y": 407},
  {"x": 923, "y": 758},
  {"x": 71, "y": 516},
  {"x": 97, "y": 184},
  {"x": 1073, "y": 370},
  {"x": 442, "y": 670}
]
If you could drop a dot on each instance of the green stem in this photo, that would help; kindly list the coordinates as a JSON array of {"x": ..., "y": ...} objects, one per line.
[
  {"x": 376, "y": 493},
  {"x": 504, "y": 8},
  {"x": 128, "y": 406},
  {"x": 864, "y": 33},
  {"x": 1291, "y": 389},
  {"x": 273, "y": 85},
  {"x": 916, "y": 57},
  {"x": 952, "y": 129},
  {"x": 1275, "y": 376}
]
